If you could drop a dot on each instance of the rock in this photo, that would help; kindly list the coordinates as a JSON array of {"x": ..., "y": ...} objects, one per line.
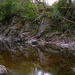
[
  {"x": 3, "y": 70},
  {"x": 73, "y": 69}
]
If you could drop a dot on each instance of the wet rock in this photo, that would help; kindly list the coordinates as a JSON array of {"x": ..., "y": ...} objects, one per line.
[
  {"x": 3, "y": 70},
  {"x": 73, "y": 69}
]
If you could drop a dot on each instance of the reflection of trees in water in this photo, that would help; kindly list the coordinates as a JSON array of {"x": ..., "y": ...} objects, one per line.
[
  {"x": 63, "y": 70},
  {"x": 6, "y": 45}
]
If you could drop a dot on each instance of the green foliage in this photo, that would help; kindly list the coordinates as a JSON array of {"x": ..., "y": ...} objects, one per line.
[
  {"x": 62, "y": 3},
  {"x": 55, "y": 5},
  {"x": 8, "y": 7},
  {"x": 59, "y": 13},
  {"x": 30, "y": 11},
  {"x": 23, "y": 8},
  {"x": 56, "y": 15},
  {"x": 68, "y": 13}
]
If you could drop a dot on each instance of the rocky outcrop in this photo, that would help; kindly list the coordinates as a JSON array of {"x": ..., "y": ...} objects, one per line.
[{"x": 3, "y": 70}]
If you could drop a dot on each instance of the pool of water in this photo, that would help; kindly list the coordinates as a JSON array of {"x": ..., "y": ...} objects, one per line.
[
  {"x": 27, "y": 68},
  {"x": 54, "y": 66}
]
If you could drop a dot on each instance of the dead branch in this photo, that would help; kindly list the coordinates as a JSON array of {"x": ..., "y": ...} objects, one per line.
[
  {"x": 6, "y": 31},
  {"x": 73, "y": 8},
  {"x": 28, "y": 23},
  {"x": 69, "y": 21},
  {"x": 37, "y": 18}
]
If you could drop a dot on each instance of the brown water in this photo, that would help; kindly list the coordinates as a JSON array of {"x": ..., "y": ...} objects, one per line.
[{"x": 22, "y": 66}]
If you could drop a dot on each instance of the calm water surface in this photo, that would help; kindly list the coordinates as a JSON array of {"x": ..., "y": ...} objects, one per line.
[{"x": 24, "y": 67}]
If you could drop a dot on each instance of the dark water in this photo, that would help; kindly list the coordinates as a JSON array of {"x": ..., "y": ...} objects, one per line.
[{"x": 22, "y": 66}]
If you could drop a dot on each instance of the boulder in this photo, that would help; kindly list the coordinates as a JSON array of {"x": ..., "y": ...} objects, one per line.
[{"x": 3, "y": 70}]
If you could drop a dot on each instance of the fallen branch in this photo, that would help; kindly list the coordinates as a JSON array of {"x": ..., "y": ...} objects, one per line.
[
  {"x": 22, "y": 29},
  {"x": 69, "y": 21},
  {"x": 6, "y": 31},
  {"x": 37, "y": 18},
  {"x": 73, "y": 8},
  {"x": 28, "y": 23}
]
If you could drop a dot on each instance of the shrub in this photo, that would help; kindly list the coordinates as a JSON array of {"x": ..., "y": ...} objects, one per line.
[
  {"x": 30, "y": 11},
  {"x": 59, "y": 14},
  {"x": 24, "y": 9},
  {"x": 56, "y": 15},
  {"x": 8, "y": 7}
]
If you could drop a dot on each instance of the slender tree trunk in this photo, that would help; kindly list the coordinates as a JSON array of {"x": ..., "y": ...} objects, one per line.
[{"x": 70, "y": 2}]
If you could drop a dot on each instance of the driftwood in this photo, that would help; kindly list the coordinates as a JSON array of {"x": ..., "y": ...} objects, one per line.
[
  {"x": 6, "y": 31},
  {"x": 9, "y": 49},
  {"x": 22, "y": 29},
  {"x": 37, "y": 18},
  {"x": 29, "y": 23}
]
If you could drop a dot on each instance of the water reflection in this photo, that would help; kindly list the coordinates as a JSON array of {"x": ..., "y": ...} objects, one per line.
[
  {"x": 43, "y": 73},
  {"x": 40, "y": 72},
  {"x": 73, "y": 69},
  {"x": 32, "y": 72},
  {"x": 21, "y": 66}
]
